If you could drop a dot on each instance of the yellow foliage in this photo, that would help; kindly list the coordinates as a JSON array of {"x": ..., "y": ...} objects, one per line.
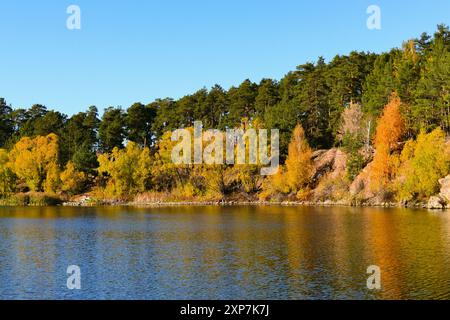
[
  {"x": 216, "y": 179},
  {"x": 332, "y": 188},
  {"x": 52, "y": 181},
  {"x": 166, "y": 175},
  {"x": 7, "y": 179},
  {"x": 298, "y": 163},
  {"x": 207, "y": 179},
  {"x": 165, "y": 146},
  {"x": 408, "y": 151},
  {"x": 383, "y": 169},
  {"x": 31, "y": 159},
  {"x": 278, "y": 181},
  {"x": 184, "y": 192},
  {"x": 128, "y": 170},
  {"x": 72, "y": 181},
  {"x": 245, "y": 175},
  {"x": 297, "y": 172},
  {"x": 423, "y": 163},
  {"x": 274, "y": 184}
]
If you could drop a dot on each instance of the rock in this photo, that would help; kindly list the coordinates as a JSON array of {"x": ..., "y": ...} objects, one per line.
[
  {"x": 340, "y": 164},
  {"x": 79, "y": 201},
  {"x": 332, "y": 162},
  {"x": 440, "y": 201},
  {"x": 445, "y": 188},
  {"x": 436, "y": 202},
  {"x": 323, "y": 162},
  {"x": 360, "y": 186}
]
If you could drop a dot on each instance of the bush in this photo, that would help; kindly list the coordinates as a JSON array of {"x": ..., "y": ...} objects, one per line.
[
  {"x": 7, "y": 177},
  {"x": 31, "y": 199},
  {"x": 333, "y": 189},
  {"x": 423, "y": 163},
  {"x": 72, "y": 181}
]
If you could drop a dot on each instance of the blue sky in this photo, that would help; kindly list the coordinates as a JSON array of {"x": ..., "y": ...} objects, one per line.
[{"x": 139, "y": 50}]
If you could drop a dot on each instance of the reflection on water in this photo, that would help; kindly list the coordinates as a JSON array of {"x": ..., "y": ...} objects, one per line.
[{"x": 224, "y": 253}]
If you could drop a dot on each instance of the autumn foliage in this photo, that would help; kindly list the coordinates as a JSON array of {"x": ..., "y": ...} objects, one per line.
[
  {"x": 389, "y": 131},
  {"x": 72, "y": 180},
  {"x": 296, "y": 174},
  {"x": 7, "y": 178},
  {"x": 406, "y": 170},
  {"x": 391, "y": 125},
  {"x": 127, "y": 170},
  {"x": 298, "y": 162},
  {"x": 34, "y": 160},
  {"x": 423, "y": 162}
]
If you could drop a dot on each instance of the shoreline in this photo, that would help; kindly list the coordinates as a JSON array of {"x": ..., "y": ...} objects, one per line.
[
  {"x": 162, "y": 204},
  {"x": 86, "y": 201}
]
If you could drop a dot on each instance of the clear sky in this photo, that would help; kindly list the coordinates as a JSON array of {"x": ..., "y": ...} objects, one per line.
[{"x": 139, "y": 50}]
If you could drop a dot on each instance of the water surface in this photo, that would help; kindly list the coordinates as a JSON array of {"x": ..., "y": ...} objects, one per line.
[{"x": 224, "y": 253}]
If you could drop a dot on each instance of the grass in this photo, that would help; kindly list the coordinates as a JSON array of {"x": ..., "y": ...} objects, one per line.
[{"x": 30, "y": 199}]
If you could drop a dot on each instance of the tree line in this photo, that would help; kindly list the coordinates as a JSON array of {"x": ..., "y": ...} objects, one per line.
[{"x": 318, "y": 96}]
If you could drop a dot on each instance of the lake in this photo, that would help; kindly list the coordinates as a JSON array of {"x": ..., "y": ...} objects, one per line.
[{"x": 224, "y": 253}]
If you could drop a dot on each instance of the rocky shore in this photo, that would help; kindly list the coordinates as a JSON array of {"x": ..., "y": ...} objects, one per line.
[{"x": 329, "y": 203}]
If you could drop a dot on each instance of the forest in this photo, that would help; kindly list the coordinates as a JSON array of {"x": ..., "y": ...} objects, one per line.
[{"x": 387, "y": 115}]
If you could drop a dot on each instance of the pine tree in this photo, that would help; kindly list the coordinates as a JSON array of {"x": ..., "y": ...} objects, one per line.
[{"x": 112, "y": 129}]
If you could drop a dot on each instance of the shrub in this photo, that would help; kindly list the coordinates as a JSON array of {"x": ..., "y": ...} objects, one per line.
[
  {"x": 72, "y": 181},
  {"x": 423, "y": 163}
]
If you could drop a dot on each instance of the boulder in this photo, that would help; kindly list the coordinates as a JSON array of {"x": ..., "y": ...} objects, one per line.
[
  {"x": 340, "y": 164},
  {"x": 323, "y": 162},
  {"x": 445, "y": 188},
  {"x": 331, "y": 162},
  {"x": 360, "y": 186},
  {"x": 436, "y": 202}
]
